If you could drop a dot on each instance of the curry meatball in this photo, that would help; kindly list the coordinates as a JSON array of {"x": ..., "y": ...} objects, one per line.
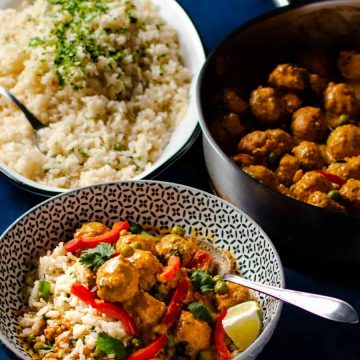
[
  {"x": 265, "y": 105},
  {"x": 309, "y": 155},
  {"x": 147, "y": 266},
  {"x": 261, "y": 144},
  {"x": 347, "y": 169},
  {"x": 344, "y": 141},
  {"x": 290, "y": 103},
  {"x": 287, "y": 168},
  {"x": 91, "y": 229},
  {"x": 263, "y": 175},
  {"x": 232, "y": 124},
  {"x": 145, "y": 242},
  {"x": 349, "y": 64},
  {"x": 321, "y": 199},
  {"x": 236, "y": 294},
  {"x": 309, "y": 123},
  {"x": 117, "y": 280},
  {"x": 318, "y": 85},
  {"x": 350, "y": 192},
  {"x": 233, "y": 102},
  {"x": 340, "y": 99},
  {"x": 289, "y": 77},
  {"x": 309, "y": 183},
  {"x": 243, "y": 160}
]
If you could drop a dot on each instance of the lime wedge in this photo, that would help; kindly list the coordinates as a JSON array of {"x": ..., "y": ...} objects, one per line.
[{"x": 242, "y": 323}]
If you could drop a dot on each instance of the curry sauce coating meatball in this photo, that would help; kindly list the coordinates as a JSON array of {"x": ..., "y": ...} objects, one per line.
[
  {"x": 350, "y": 192},
  {"x": 233, "y": 102},
  {"x": 263, "y": 175},
  {"x": 196, "y": 333},
  {"x": 340, "y": 99},
  {"x": 348, "y": 169},
  {"x": 309, "y": 123},
  {"x": 265, "y": 105},
  {"x": 318, "y": 84},
  {"x": 349, "y": 64},
  {"x": 171, "y": 243},
  {"x": 321, "y": 199},
  {"x": 236, "y": 294},
  {"x": 309, "y": 155},
  {"x": 146, "y": 242},
  {"x": 290, "y": 77},
  {"x": 344, "y": 141},
  {"x": 90, "y": 229},
  {"x": 309, "y": 183},
  {"x": 147, "y": 266},
  {"x": 117, "y": 280},
  {"x": 243, "y": 160},
  {"x": 287, "y": 168},
  {"x": 261, "y": 144},
  {"x": 290, "y": 103}
]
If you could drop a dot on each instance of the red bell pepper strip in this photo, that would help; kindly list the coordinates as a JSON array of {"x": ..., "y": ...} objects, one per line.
[
  {"x": 220, "y": 346},
  {"x": 86, "y": 242},
  {"x": 201, "y": 260},
  {"x": 172, "y": 268},
  {"x": 332, "y": 178},
  {"x": 109, "y": 309},
  {"x": 150, "y": 351},
  {"x": 176, "y": 303}
]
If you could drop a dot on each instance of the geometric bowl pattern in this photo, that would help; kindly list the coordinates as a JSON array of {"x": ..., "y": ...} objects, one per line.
[{"x": 150, "y": 203}]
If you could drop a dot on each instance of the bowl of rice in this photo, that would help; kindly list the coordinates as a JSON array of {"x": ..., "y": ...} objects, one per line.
[
  {"x": 113, "y": 81},
  {"x": 45, "y": 311}
]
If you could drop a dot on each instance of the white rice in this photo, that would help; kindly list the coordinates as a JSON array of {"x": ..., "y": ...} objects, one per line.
[{"x": 120, "y": 120}]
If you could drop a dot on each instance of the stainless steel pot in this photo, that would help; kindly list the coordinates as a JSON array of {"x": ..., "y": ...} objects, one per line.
[{"x": 306, "y": 236}]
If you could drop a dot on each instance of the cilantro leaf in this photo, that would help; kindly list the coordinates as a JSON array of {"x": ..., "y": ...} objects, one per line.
[
  {"x": 46, "y": 349},
  {"x": 202, "y": 281},
  {"x": 44, "y": 289},
  {"x": 94, "y": 258},
  {"x": 201, "y": 312},
  {"x": 109, "y": 345}
]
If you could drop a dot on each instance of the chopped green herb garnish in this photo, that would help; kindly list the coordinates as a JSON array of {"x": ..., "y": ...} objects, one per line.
[
  {"x": 44, "y": 289},
  {"x": 118, "y": 147},
  {"x": 46, "y": 349},
  {"x": 94, "y": 258},
  {"x": 36, "y": 41},
  {"x": 201, "y": 312},
  {"x": 84, "y": 154},
  {"x": 135, "y": 228},
  {"x": 162, "y": 69},
  {"x": 202, "y": 281},
  {"x": 110, "y": 346}
]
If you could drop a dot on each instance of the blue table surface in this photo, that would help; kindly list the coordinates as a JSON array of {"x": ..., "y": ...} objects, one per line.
[{"x": 299, "y": 334}]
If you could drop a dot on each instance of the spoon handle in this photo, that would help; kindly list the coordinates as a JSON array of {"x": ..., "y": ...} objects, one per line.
[
  {"x": 35, "y": 123},
  {"x": 324, "y": 306}
]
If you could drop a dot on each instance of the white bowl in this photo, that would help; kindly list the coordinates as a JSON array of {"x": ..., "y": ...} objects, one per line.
[
  {"x": 145, "y": 202},
  {"x": 185, "y": 134}
]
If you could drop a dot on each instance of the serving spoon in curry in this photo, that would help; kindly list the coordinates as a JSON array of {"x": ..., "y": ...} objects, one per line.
[
  {"x": 324, "y": 306},
  {"x": 34, "y": 122}
]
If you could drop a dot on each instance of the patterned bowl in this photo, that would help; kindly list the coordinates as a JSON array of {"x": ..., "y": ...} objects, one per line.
[{"x": 146, "y": 202}]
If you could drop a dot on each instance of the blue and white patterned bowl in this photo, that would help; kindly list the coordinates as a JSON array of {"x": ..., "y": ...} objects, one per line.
[{"x": 144, "y": 202}]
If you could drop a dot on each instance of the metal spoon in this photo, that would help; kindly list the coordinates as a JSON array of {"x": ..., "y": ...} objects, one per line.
[
  {"x": 324, "y": 306},
  {"x": 35, "y": 123}
]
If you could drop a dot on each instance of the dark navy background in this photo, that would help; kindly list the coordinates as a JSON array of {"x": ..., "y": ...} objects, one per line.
[{"x": 299, "y": 335}]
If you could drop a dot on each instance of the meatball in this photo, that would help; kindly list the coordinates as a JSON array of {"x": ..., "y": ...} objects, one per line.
[
  {"x": 340, "y": 99},
  {"x": 148, "y": 266},
  {"x": 320, "y": 199},
  {"x": 91, "y": 229},
  {"x": 196, "y": 333},
  {"x": 236, "y": 294},
  {"x": 309, "y": 183},
  {"x": 348, "y": 169},
  {"x": 261, "y": 144},
  {"x": 233, "y": 102},
  {"x": 243, "y": 160},
  {"x": 117, "y": 280},
  {"x": 289, "y": 77},
  {"x": 349, "y": 65},
  {"x": 146, "y": 242},
  {"x": 263, "y": 175},
  {"x": 309, "y": 123},
  {"x": 309, "y": 155},
  {"x": 343, "y": 142},
  {"x": 350, "y": 192},
  {"x": 287, "y": 168},
  {"x": 290, "y": 103},
  {"x": 318, "y": 84},
  {"x": 171, "y": 243},
  {"x": 232, "y": 124},
  {"x": 265, "y": 105}
]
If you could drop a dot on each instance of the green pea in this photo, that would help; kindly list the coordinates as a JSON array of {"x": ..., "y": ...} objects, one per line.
[
  {"x": 178, "y": 230},
  {"x": 343, "y": 119},
  {"x": 136, "y": 245},
  {"x": 162, "y": 289},
  {"x": 126, "y": 251},
  {"x": 137, "y": 342},
  {"x": 273, "y": 158},
  {"x": 334, "y": 194},
  {"x": 217, "y": 278},
  {"x": 292, "y": 187},
  {"x": 135, "y": 229},
  {"x": 221, "y": 287}
]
